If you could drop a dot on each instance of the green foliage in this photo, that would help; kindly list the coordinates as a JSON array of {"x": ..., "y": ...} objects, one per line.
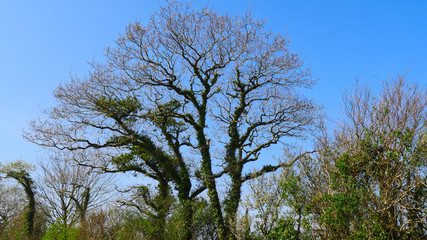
[
  {"x": 363, "y": 180},
  {"x": 60, "y": 231},
  {"x": 292, "y": 191},
  {"x": 344, "y": 213},
  {"x": 17, "y": 169},
  {"x": 14, "y": 229},
  {"x": 202, "y": 220},
  {"x": 118, "y": 109},
  {"x": 133, "y": 226},
  {"x": 164, "y": 116},
  {"x": 284, "y": 230}
]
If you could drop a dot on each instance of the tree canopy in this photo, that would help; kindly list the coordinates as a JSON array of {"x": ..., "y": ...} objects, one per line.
[{"x": 188, "y": 98}]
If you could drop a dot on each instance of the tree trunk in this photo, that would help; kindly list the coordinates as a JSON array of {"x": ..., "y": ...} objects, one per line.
[{"x": 31, "y": 208}]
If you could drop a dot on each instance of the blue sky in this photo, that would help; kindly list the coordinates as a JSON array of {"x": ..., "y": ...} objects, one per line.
[{"x": 43, "y": 42}]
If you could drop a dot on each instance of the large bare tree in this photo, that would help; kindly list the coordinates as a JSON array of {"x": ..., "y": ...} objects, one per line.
[{"x": 190, "y": 97}]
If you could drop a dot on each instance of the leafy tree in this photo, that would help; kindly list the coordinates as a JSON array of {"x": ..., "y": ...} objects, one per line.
[
  {"x": 188, "y": 98},
  {"x": 371, "y": 182},
  {"x": 265, "y": 198},
  {"x": 279, "y": 202},
  {"x": 296, "y": 197},
  {"x": 154, "y": 208}
]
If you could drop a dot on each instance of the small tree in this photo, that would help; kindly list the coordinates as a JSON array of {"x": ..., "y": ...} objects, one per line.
[
  {"x": 279, "y": 202},
  {"x": 69, "y": 191},
  {"x": 12, "y": 203},
  {"x": 19, "y": 171},
  {"x": 265, "y": 198},
  {"x": 372, "y": 181}
]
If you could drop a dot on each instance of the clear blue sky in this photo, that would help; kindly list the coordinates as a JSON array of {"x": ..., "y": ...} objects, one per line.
[{"x": 43, "y": 42}]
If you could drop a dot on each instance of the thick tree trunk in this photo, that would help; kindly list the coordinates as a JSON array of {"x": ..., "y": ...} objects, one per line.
[
  {"x": 162, "y": 211},
  {"x": 187, "y": 217},
  {"x": 233, "y": 200},
  {"x": 31, "y": 208},
  {"x": 206, "y": 169}
]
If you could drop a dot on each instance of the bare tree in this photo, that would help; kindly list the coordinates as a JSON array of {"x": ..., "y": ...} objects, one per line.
[
  {"x": 190, "y": 83},
  {"x": 69, "y": 191},
  {"x": 12, "y": 203}
]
